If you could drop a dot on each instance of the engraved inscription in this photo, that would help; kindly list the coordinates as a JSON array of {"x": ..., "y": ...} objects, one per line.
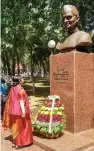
[{"x": 60, "y": 74}]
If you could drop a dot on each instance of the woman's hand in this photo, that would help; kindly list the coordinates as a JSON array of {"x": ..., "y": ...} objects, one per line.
[
  {"x": 23, "y": 114},
  {"x": 22, "y": 108}
]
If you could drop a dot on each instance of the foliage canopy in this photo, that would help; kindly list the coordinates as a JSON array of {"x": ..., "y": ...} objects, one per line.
[{"x": 28, "y": 25}]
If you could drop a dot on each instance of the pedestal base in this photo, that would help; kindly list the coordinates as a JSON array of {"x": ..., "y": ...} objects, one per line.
[{"x": 72, "y": 78}]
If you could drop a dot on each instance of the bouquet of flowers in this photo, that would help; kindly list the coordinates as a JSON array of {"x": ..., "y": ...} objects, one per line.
[{"x": 50, "y": 120}]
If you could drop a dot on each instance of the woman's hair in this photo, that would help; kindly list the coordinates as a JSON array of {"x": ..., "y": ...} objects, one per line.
[
  {"x": 16, "y": 79},
  {"x": 3, "y": 80}
]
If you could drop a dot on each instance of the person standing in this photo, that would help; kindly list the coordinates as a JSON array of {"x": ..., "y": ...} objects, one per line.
[
  {"x": 17, "y": 115},
  {"x": 3, "y": 94}
]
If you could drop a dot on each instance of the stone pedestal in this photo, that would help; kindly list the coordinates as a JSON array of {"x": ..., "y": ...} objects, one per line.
[{"x": 72, "y": 78}]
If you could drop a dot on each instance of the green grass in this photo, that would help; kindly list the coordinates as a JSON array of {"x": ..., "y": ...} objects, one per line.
[{"x": 42, "y": 90}]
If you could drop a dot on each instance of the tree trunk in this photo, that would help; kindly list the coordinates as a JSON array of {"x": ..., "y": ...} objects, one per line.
[
  {"x": 8, "y": 64},
  {"x": 32, "y": 69},
  {"x": 18, "y": 69},
  {"x": 4, "y": 63},
  {"x": 43, "y": 66},
  {"x": 13, "y": 63}
]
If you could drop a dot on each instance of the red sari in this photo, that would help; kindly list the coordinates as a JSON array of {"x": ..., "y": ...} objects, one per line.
[{"x": 21, "y": 127}]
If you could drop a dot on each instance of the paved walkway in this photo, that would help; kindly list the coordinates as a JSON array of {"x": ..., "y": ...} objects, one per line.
[{"x": 83, "y": 141}]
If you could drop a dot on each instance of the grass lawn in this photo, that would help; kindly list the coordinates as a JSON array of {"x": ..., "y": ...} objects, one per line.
[{"x": 42, "y": 90}]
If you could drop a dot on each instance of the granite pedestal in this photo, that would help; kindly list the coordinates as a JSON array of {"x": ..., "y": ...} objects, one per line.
[{"x": 72, "y": 78}]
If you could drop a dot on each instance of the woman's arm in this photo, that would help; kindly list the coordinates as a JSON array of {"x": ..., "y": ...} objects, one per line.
[
  {"x": 22, "y": 108},
  {"x": 22, "y": 105}
]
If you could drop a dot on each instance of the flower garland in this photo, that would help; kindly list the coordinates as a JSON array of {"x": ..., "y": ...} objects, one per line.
[{"x": 58, "y": 123}]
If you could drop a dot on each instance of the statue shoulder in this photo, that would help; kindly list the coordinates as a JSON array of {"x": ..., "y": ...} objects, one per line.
[
  {"x": 79, "y": 38},
  {"x": 84, "y": 37},
  {"x": 59, "y": 46}
]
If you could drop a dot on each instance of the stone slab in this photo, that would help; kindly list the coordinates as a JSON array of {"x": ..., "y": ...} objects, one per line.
[
  {"x": 72, "y": 78},
  {"x": 69, "y": 141}
]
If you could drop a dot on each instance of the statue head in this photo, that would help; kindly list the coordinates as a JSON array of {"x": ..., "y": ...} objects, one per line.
[{"x": 70, "y": 17}]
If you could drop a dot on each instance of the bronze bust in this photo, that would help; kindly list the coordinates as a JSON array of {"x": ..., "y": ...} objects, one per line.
[{"x": 77, "y": 40}]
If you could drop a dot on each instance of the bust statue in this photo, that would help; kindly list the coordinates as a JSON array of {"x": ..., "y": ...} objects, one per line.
[{"x": 77, "y": 39}]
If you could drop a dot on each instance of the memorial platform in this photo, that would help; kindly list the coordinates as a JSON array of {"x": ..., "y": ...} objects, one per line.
[{"x": 72, "y": 78}]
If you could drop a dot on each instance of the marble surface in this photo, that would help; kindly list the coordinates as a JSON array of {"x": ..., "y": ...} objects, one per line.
[{"x": 72, "y": 78}]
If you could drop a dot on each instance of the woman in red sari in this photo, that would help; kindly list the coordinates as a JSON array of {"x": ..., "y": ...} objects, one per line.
[{"x": 17, "y": 115}]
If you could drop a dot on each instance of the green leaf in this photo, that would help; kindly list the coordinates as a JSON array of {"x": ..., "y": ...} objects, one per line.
[
  {"x": 56, "y": 129},
  {"x": 43, "y": 129},
  {"x": 38, "y": 126}
]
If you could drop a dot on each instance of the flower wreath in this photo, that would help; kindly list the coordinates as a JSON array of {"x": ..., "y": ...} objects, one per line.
[{"x": 50, "y": 120}]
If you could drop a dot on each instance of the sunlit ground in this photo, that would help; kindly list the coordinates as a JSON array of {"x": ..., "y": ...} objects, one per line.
[{"x": 42, "y": 90}]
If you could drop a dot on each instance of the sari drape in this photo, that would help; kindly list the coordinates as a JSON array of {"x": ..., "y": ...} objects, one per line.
[{"x": 21, "y": 127}]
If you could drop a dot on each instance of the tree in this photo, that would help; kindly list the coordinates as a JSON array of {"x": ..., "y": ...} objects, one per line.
[{"x": 27, "y": 26}]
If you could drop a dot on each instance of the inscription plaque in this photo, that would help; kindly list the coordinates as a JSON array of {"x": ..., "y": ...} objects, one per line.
[{"x": 60, "y": 74}]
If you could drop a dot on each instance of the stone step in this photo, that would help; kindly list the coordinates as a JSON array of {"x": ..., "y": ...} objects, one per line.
[
  {"x": 68, "y": 142},
  {"x": 83, "y": 141}
]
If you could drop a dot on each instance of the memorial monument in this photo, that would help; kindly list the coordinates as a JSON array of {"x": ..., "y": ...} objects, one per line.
[{"x": 72, "y": 73}]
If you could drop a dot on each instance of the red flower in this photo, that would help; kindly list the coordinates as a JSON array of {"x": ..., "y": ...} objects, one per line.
[{"x": 61, "y": 121}]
